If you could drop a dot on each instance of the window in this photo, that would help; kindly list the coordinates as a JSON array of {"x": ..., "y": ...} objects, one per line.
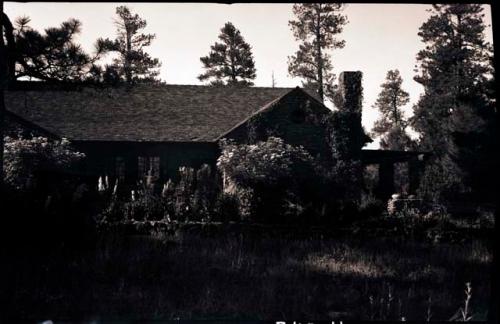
[
  {"x": 120, "y": 168},
  {"x": 148, "y": 166}
]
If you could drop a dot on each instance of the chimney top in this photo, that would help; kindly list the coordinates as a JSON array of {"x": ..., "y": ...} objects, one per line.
[{"x": 351, "y": 91}]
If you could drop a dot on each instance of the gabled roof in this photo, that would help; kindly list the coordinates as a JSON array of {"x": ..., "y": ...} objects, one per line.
[
  {"x": 158, "y": 113},
  {"x": 321, "y": 108}
]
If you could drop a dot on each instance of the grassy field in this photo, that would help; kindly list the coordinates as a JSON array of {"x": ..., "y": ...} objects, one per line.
[{"x": 236, "y": 277}]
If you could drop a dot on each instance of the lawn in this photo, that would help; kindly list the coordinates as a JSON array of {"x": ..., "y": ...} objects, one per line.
[{"x": 236, "y": 276}]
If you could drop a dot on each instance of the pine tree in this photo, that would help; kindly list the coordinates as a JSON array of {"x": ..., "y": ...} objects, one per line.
[
  {"x": 454, "y": 68},
  {"x": 316, "y": 26},
  {"x": 229, "y": 62},
  {"x": 391, "y": 126},
  {"x": 133, "y": 63},
  {"x": 53, "y": 56}
]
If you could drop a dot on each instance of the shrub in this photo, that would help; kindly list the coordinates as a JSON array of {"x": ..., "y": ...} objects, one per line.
[
  {"x": 268, "y": 162},
  {"x": 205, "y": 193},
  {"x": 226, "y": 208},
  {"x": 434, "y": 225},
  {"x": 168, "y": 196},
  {"x": 144, "y": 205},
  {"x": 24, "y": 159},
  {"x": 345, "y": 179},
  {"x": 486, "y": 218},
  {"x": 113, "y": 212},
  {"x": 370, "y": 206},
  {"x": 441, "y": 181},
  {"x": 184, "y": 194},
  {"x": 371, "y": 178},
  {"x": 265, "y": 176},
  {"x": 191, "y": 199}
]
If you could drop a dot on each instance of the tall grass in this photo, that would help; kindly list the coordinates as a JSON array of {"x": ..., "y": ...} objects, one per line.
[{"x": 237, "y": 276}]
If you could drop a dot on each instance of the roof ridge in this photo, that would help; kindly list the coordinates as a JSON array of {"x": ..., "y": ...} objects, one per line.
[
  {"x": 212, "y": 86},
  {"x": 40, "y": 86}
]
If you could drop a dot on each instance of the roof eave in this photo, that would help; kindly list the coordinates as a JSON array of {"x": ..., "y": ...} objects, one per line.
[{"x": 32, "y": 125}]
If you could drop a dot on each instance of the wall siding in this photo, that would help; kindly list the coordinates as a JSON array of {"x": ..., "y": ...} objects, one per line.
[
  {"x": 283, "y": 120},
  {"x": 101, "y": 157}
]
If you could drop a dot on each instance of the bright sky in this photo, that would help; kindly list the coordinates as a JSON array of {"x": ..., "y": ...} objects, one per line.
[{"x": 379, "y": 37}]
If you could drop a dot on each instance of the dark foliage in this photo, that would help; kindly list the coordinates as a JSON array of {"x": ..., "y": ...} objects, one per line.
[
  {"x": 346, "y": 137},
  {"x": 316, "y": 26},
  {"x": 454, "y": 116},
  {"x": 53, "y": 56},
  {"x": 229, "y": 62},
  {"x": 133, "y": 63},
  {"x": 392, "y": 124},
  {"x": 271, "y": 179}
]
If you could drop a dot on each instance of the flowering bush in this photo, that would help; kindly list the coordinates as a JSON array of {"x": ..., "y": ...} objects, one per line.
[
  {"x": 184, "y": 193},
  {"x": 205, "y": 193},
  {"x": 192, "y": 198},
  {"x": 24, "y": 158},
  {"x": 168, "y": 196},
  {"x": 266, "y": 162},
  {"x": 266, "y": 177},
  {"x": 144, "y": 205}
]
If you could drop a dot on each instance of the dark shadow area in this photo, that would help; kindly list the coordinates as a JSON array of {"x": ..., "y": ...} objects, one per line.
[{"x": 191, "y": 275}]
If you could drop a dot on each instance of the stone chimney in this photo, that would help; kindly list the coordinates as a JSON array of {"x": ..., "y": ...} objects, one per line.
[
  {"x": 351, "y": 91},
  {"x": 347, "y": 135},
  {"x": 350, "y": 105}
]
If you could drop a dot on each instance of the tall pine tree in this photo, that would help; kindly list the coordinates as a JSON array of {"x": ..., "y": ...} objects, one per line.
[
  {"x": 391, "y": 126},
  {"x": 316, "y": 26},
  {"x": 53, "y": 56},
  {"x": 454, "y": 68},
  {"x": 133, "y": 63},
  {"x": 229, "y": 62}
]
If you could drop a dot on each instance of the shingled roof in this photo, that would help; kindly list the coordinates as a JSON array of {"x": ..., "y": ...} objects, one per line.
[{"x": 158, "y": 113}]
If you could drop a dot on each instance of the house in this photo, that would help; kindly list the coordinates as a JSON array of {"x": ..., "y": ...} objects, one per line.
[{"x": 127, "y": 132}]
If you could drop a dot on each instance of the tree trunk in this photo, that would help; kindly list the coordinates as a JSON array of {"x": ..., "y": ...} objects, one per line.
[
  {"x": 395, "y": 109},
  {"x": 9, "y": 37},
  {"x": 233, "y": 61},
  {"x": 319, "y": 57},
  {"x": 3, "y": 80},
  {"x": 128, "y": 66}
]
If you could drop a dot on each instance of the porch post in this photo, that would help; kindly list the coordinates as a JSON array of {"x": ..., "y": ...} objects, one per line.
[
  {"x": 386, "y": 180},
  {"x": 414, "y": 170}
]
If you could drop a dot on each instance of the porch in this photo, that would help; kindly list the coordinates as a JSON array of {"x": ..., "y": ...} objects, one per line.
[{"x": 386, "y": 160}]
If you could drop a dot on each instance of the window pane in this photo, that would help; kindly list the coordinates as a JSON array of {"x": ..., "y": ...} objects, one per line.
[
  {"x": 155, "y": 167},
  {"x": 148, "y": 165},
  {"x": 141, "y": 167},
  {"x": 120, "y": 168}
]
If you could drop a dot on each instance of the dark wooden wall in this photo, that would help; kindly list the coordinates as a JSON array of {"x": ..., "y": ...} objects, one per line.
[
  {"x": 296, "y": 118},
  {"x": 101, "y": 157}
]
